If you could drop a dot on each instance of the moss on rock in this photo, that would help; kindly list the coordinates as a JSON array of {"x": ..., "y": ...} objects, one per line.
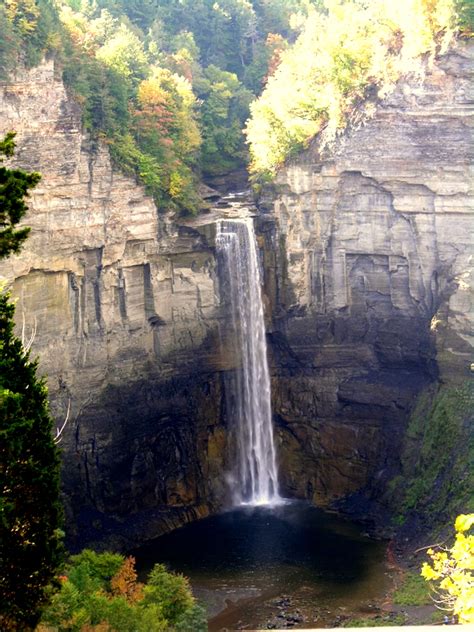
[{"x": 437, "y": 477}]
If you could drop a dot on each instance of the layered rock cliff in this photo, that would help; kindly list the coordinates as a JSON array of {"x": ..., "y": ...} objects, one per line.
[
  {"x": 122, "y": 304},
  {"x": 368, "y": 255}
]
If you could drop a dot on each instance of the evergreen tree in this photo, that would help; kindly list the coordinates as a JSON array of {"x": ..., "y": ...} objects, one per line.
[
  {"x": 14, "y": 185},
  {"x": 30, "y": 511}
]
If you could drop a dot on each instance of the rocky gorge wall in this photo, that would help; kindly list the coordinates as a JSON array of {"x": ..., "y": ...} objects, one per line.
[
  {"x": 124, "y": 309},
  {"x": 366, "y": 257},
  {"x": 368, "y": 252}
]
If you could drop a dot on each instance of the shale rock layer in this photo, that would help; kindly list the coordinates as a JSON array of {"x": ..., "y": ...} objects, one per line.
[
  {"x": 368, "y": 255},
  {"x": 365, "y": 250},
  {"x": 122, "y": 304}
]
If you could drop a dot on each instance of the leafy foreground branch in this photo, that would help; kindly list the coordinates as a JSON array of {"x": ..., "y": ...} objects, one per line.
[
  {"x": 451, "y": 574},
  {"x": 100, "y": 592}
]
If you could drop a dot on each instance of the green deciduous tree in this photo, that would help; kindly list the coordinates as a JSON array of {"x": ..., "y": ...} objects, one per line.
[
  {"x": 9, "y": 44},
  {"x": 101, "y": 592},
  {"x": 124, "y": 53},
  {"x": 465, "y": 11},
  {"x": 30, "y": 511},
  {"x": 35, "y": 26},
  {"x": 225, "y": 107}
]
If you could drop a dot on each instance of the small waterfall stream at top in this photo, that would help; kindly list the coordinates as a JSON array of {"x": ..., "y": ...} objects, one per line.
[{"x": 256, "y": 470}]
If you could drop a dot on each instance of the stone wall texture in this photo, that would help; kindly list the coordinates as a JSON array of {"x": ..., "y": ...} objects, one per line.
[
  {"x": 368, "y": 252},
  {"x": 124, "y": 306}
]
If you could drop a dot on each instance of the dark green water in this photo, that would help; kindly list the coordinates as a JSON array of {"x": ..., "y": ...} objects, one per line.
[{"x": 251, "y": 564}]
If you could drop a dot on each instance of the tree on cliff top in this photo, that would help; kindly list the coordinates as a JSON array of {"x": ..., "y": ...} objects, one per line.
[
  {"x": 345, "y": 54},
  {"x": 30, "y": 511}
]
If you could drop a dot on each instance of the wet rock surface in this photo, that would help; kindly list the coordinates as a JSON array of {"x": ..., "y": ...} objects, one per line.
[
  {"x": 365, "y": 250},
  {"x": 367, "y": 257},
  {"x": 286, "y": 618}
]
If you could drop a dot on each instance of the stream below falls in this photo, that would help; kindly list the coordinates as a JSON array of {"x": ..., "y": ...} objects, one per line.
[{"x": 291, "y": 565}]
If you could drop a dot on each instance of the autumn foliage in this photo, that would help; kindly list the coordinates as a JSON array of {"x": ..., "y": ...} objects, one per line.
[
  {"x": 124, "y": 582},
  {"x": 451, "y": 572},
  {"x": 100, "y": 592},
  {"x": 346, "y": 50}
]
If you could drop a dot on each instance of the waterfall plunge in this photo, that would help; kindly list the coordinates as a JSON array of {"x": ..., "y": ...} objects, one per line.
[{"x": 256, "y": 474}]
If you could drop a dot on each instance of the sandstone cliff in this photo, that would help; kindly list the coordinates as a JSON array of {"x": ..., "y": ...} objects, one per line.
[
  {"x": 124, "y": 305},
  {"x": 368, "y": 256}
]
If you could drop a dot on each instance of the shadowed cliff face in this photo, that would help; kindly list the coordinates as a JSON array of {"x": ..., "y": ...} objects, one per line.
[
  {"x": 125, "y": 307},
  {"x": 365, "y": 252},
  {"x": 367, "y": 255}
]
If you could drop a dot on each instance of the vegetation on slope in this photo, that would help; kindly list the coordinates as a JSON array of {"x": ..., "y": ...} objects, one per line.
[
  {"x": 167, "y": 84},
  {"x": 375, "y": 622},
  {"x": 345, "y": 53},
  {"x": 412, "y": 591},
  {"x": 437, "y": 473},
  {"x": 100, "y": 591}
]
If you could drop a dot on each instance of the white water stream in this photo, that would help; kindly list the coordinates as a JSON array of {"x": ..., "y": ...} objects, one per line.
[{"x": 256, "y": 470}]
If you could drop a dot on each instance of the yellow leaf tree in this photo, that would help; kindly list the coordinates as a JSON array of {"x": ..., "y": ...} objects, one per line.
[{"x": 450, "y": 572}]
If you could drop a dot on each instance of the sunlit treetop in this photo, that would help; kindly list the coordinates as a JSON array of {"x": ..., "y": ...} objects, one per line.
[
  {"x": 344, "y": 49},
  {"x": 451, "y": 572}
]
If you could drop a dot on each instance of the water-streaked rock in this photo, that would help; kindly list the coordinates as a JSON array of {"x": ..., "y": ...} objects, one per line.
[{"x": 368, "y": 253}]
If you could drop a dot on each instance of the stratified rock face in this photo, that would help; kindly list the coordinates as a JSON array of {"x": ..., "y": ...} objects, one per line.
[
  {"x": 368, "y": 257},
  {"x": 124, "y": 306}
]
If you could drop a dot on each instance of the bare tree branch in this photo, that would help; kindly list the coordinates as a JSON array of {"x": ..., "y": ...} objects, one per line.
[
  {"x": 27, "y": 345},
  {"x": 59, "y": 431}
]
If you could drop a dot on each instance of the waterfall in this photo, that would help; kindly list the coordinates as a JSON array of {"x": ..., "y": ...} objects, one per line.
[{"x": 256, "y": 469}]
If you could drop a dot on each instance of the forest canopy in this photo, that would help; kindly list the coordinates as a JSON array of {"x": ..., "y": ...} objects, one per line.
[
  {"x": 170, "y": 84},
  {"x": 167, "y": 84}
]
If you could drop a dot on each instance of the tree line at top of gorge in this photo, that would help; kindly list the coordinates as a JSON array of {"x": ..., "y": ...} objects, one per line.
[{"x": 183, "y": 90}]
